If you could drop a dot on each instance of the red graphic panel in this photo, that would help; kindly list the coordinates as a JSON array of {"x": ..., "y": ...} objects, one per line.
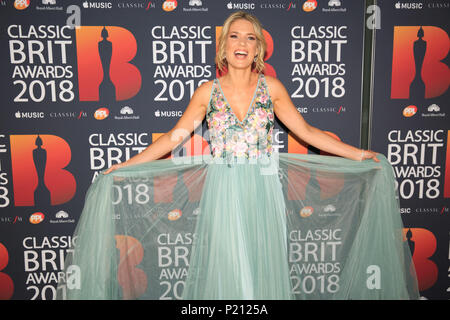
[
  {"x": 39, "y": 177},
  {"x": 421, "y": 48},
  {"x": 447, "y": 169},
  {"x": 132, "y": 279},
  {"x": 329, "y": 187},
  {"x": 104, "y": 55},
  {"x": 6, "y": 283},
  {"x": 164, "y": 187},
  {"x": 422, "y": 243}
]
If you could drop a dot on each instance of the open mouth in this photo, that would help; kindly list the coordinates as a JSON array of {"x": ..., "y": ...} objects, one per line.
[{"x": 240, "y": 53}]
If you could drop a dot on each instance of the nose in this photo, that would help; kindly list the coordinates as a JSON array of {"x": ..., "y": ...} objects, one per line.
[{"x": 243, "y": 41}]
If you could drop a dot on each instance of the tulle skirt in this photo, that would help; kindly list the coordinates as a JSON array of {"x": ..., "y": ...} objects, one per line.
[{"x": 288, "y": 226}]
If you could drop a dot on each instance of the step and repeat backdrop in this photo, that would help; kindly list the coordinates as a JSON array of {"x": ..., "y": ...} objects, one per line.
[
  {"x": 86, "y": 84},
  {"x": 411, "y": 126}
]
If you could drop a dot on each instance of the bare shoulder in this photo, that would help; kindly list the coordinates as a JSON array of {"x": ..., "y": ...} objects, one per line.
[{"x": 275, "y": 86}]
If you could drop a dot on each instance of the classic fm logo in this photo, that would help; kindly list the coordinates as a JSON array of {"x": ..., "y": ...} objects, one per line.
[
  {"x": 40, "y": 177},
  {"x": 105, "y": 69},
  {"x": 418, "y": 70}
]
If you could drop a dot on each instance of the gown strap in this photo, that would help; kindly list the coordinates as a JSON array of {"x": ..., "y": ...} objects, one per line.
[
  {"x": 213, "y": 87},
  {"x": 265, "y": 86}
]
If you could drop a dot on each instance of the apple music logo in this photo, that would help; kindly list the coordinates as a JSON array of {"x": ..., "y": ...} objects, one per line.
[
  {"x": 240, "y": 6},
  {"x": 168, "y": 113},
  {"x": 412, "y": 5},
  {"x": 29, "y": 115},
  {"x": 97, "y": 5}
]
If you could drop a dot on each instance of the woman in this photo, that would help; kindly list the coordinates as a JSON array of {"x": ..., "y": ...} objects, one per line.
[
  {"x": 246, "y": 209},
  {"x": 241, "y": 49}
]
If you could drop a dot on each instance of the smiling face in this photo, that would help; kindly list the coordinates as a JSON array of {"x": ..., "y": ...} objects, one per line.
[{"x": 241, "y": 44}]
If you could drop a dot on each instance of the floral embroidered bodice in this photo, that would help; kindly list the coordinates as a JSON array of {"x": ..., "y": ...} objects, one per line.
[{"x": 250, "y": 138}]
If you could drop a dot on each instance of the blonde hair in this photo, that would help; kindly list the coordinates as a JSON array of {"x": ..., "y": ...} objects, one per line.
[{"x": 221, "y": 61}]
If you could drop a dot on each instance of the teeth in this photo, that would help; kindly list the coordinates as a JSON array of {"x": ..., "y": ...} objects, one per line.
[{"x": 240, "y": 52}]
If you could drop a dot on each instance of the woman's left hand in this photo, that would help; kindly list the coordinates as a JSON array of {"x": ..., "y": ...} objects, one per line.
[{"x": 368, "y": 154}]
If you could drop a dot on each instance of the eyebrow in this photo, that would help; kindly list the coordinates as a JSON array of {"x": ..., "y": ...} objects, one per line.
[{"x": 249, "y": 33}]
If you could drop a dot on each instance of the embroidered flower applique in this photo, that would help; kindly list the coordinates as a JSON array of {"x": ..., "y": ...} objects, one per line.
[{"x": 250, "y": 138}]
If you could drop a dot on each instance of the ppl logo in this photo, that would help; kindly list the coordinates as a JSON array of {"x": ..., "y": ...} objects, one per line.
[
  {"x": 309, "y": 5},
  {"x": 169, "y": 5},
  {"x": 21, "y": 4},
  {"x": 268, "y": 70},
  {"x": 409, "y": 111},
  {"x": 330, "y": 185},
  {"x": 101, "y": 113},
  {"x": 105, "y": 73},
  {"x": 38, "y": 170},
  {"x": 174, "y": 215},
  {"x": 306, "y": 212},
  {"x": 6, "y": 283},
  {"x": 37, "y": 218},
  {"x": 422, "y": 244},
  {"x": 418, "y": 70}
]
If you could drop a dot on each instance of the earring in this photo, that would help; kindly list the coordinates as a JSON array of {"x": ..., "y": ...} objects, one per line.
[{"x": 256, "y": 58}]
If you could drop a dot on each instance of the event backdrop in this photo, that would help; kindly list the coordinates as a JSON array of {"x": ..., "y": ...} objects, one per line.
[
  {"x": 410, "y": 125},
  {"x": 77, "y": 99}
]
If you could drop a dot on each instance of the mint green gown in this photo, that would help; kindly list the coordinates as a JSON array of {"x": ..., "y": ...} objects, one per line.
[{"x": 242, "y": 221}]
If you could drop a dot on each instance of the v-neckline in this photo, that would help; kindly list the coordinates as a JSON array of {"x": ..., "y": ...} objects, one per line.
[{"x": 249, "y": 107}]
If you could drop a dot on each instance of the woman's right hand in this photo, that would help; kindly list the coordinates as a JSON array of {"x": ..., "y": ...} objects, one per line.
[{"x": 113, "y": 167}]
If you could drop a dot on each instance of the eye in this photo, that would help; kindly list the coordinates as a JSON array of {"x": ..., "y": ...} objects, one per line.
[
  {"x": 233, "y": 36},
  {"x": 251, "y": 38}
]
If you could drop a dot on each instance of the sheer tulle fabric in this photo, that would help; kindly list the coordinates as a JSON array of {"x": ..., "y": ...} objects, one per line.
[{"x": 286, "y": 227}]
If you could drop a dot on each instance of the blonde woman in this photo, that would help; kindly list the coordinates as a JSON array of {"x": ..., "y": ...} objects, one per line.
[
  {"x": 241, "y": 52},
  {"x": 240, "y": 249}
]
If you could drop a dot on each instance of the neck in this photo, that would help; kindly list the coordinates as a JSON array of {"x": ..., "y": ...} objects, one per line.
[{"x": 239, "y": 78}]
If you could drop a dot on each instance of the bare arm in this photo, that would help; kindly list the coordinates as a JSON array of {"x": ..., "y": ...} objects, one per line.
[
  {"x": 293, "y": 120},
  {"x": 191, "y": 118}
]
